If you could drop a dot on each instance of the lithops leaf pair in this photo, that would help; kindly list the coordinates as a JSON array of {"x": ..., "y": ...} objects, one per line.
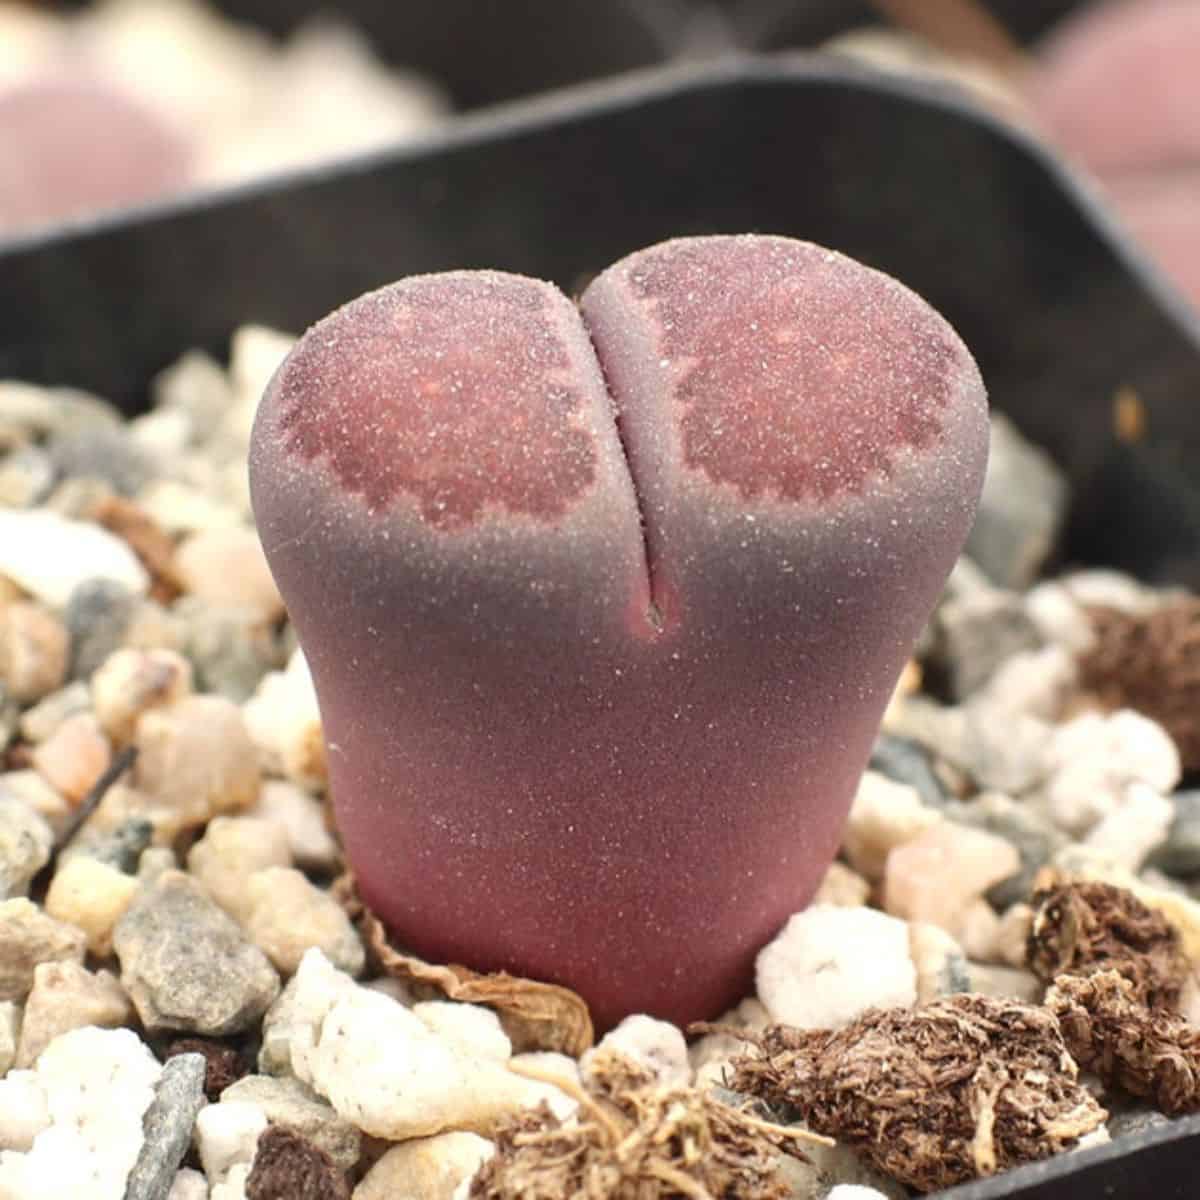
[{"x": 604, "y": 603}]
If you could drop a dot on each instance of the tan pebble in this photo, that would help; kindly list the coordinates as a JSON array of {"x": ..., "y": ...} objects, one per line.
[
  {"x": 182, "y": 508},
  {"x": 30, "y": 787},
  {"x": 428, "y": 1168},
  {"x": 1180, "y": 911},
  {"x": 227, "y": 566},
  {"x": 933, "y": 950},
  {"x": 74, "y": 756},
  {"x": 122, "y": 803},
  {"x": 40, "y": 721},
  {"x": 153, "y": 627},
  {"x": 10, "y": 592},
  {"x": 288, "y": 914},
  {"x": 155, "y": 861},
  {"x": 302, "y": 817},
  {"x": 34, "y": 649},
  {"x": 10, "y": 1023},
  {"x": 1005, "y": 982},
  {"x": 195, "y": 756},
  {"x": 978, "y": 929},
  {"x": 937, "y": 875},
  {"x": 1189, "y": 999},
  {"x": 285, "y": 724},
  {"x": 66, "y": 996},
  {"x": 28, "y": 937},
  {"x": 1012, "y": 937},
  {"x": 93, "y": 896},
  {"x": 131, "y": 682},
  {"x": 884, "y": 815},
  {"x": 230, "y": 852},
  {"x": 843, "y": 887}
]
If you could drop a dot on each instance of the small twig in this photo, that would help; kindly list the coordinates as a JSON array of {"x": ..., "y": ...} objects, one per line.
[
  {"x": 121, "y": 762},
  {"x": 961, "y": 28},
  {"x": 679, "y": 1181}
]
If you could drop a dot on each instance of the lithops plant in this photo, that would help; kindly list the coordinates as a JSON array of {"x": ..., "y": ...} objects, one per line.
[{"x": 604, "y": 604}]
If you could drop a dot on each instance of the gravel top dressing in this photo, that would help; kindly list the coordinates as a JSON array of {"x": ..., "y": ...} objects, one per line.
[{"x": 194, "y": 1002}]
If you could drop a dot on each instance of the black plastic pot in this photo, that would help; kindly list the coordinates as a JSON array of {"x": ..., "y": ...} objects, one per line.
[
  {"x": 983, "y": 221},
  {"x": 783, "y": 24}
]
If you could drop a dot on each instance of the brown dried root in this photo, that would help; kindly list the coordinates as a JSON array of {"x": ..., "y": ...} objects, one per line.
[
  {"x": 963, "y": 1087},
  {"x": 536, "y": 1016},
  {"x": 1153, "y": 1054},
  {"x": 1150, "y": 663},
  {"x": 1079, "y": 927},
  {"x": 633, "y": 1139}
]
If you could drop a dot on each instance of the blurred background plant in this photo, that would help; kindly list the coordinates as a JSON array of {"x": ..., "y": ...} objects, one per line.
[{"x": 119, "y": 101}]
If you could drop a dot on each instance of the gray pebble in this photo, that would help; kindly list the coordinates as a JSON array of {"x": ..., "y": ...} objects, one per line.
[
  {"x": 26, "y": 477},
  {"x": 231, "y": 649},
  {"x": 123, "y": 847},
  {"x": 101, "y": 453},
  {"x": 97, "y": 616},
  {"x": 35, "y": 411},
  {"x": 25, "y": 842},
  {"x": 1022, "y": 507},
  {"x": 287, "y": 1101},
  {"x": 168, "y": 1126},
  {"x": 1004, "y": 751},
  {"x": 186, "y": 964},
  {"x": 1135, "y": 1119},
  {"x": 974, "y": 635},
  {"x": 954, "y": 976},
  {"x": 905, "y": 761},
  {"x": 1180, "y": 853}
]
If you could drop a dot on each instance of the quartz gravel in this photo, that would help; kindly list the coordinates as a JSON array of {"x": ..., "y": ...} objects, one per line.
[{"x": 196, "y": 900}]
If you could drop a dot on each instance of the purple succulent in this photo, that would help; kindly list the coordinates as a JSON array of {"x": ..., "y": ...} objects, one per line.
[{"x": 604, "y": 604}]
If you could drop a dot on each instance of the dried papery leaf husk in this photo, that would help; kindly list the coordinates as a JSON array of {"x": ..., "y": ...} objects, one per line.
[
  {"x": 539, "y": 1016},
  {"x": 963, "y": 1087},
  {"x": 1150, "y": 1053},
  {"x": 1080, "y": 926},
  {"x": 633, "y": 1139},
  {"x": 1150, "y": 662}
]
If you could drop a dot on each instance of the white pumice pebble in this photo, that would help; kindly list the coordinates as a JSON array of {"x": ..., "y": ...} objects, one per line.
[
  {"x": 96, "y": 1084},
  {"x": 50, "y": 556},
  {"x": 828, "y": 965},
  {"x": 1092, "y": 758},
  {"x": 1137, "y": 825},
  {"x": 658, "y": 1046},
  {"x": 227, "y": 1134},
  {"x": 383, "y": 1068}
]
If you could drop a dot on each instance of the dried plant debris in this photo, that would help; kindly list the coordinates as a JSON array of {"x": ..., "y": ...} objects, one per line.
[
  {"x": 963, "y": 1087},
  {"x": 546, "y": 1016},
  {"x": 1081, "y": 926},
  {"x": 1147, "y": 1052},
  {"x": 1150, "y": 662},
  {"x": 633, "y": 1139}
]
